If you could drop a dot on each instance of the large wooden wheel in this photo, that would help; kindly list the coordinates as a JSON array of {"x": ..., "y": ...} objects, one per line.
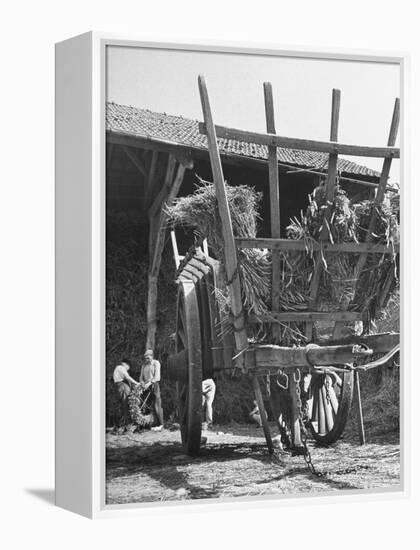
[
  {"x": 188, "y": 340},
  {"x": 329, "y": 405}
]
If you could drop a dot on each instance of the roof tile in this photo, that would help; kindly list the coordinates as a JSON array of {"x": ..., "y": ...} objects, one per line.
[{"x": 129, "y": 120}]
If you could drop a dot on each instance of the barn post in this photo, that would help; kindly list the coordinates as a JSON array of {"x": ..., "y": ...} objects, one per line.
[{"x": 157, "y": 232}]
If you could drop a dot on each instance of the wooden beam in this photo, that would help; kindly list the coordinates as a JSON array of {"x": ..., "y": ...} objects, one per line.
[
  {"x": 151, "y": 178},
  {"x": 386, "y": 167},
  {"x": 287, "y": 245},
  {"x": 109, "y": 153},
  {"x": 273, "y": 176},
  {"x": 302, "y": 316},
  {"x": 359, "y": 409},
  {"x": 378, "y": 343},
  {"x": 294, "y": 411},
  {"x": 235, "y": 159},
  {"x": 136, "y": 161},
  {"x": 330, "y": 186},
  {"x": 164, "y": 190},
  {"x": 373, "y": 185},
  {"x": 157, "y": 229},
  {"x": 152, "y": 294},
  {"x": 283, "y": 357},
  {"x": 231, "y": 262},
  {"x": 175, "y": 187},
  {"x": 330, "y": 147},
  {"x": 263, "y": 415},
  {"x": 175, "y": 249},
  {"x": 272, "y": 358},
  {"x": 162, "y": 219},
  {"x": 272, "y": 163},
  {"x": 143, "y": 142}
]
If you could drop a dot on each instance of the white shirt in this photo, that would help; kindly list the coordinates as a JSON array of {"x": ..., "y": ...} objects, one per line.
[
  {"x": 120, "y": 373},
  {"x": 150, "y": 372}
]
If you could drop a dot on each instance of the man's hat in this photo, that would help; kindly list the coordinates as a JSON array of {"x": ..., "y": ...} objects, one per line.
[{"x": 149, "y": 353}]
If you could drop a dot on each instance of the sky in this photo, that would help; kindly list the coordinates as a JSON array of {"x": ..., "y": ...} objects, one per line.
[{"x": 166, "y": 81}]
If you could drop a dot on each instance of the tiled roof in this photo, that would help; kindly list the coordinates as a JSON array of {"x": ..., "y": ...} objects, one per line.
[{"x": 132, "y": 121}]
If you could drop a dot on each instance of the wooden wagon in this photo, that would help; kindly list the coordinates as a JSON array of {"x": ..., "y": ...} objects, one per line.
[{"x": 331, "y": 367}]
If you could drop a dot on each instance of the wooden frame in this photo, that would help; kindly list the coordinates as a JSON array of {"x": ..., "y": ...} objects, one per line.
[{"x": 333, "y": 148}]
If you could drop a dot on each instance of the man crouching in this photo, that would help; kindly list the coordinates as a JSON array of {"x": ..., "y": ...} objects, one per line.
[{"x": 149, "y": 379}]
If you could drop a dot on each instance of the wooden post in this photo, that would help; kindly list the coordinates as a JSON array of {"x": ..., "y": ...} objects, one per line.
[
  {"x": 273, "y": 173},
  {"x": 136, "y": 161},
  {"x": 157, "y": 229},
  {"x": 109, "y": 153},
  {"x": 175, "y": 249},
  {"x": 331, "y": 180},
  {"x": 150, "y": 179},
  {"x": 386, "y": 167},
  {"x": 263, "y": 415},
  {"x": 294, "y": 421},
  {"x": 362, "y": 438},
  {"x": 161, "y": 195},
  {"x": 231, "y": 262}
]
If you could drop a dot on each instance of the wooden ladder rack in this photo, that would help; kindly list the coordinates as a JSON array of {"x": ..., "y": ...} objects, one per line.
[{"x": 272, "y": 141}]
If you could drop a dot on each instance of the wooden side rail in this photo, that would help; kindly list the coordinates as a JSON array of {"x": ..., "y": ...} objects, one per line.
[
  {"x": 276, "y": 357},
  {"x": 331, "y": 147},
  {"x": 291, "y": 245},
  {"x": 305, "y": 316},
  {"x": 282, "y": 357},
  {"x": 378, "y": 343}
]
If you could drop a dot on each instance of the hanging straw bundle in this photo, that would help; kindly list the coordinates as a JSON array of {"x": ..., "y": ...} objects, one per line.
[
  {"x": 200, "y": 212},
  {"x": 341, "y": 286}
]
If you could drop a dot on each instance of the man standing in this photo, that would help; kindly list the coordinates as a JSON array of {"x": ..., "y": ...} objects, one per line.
[
  {"x": 123, "y": 383},
  {"x": 150, "y": 378},
  {"x": 208, "y": 391}
]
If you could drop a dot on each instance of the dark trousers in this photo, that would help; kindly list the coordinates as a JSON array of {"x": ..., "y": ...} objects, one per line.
[
  {"x": 158, "y": 402},
  {"x": 123, "y": 390}
]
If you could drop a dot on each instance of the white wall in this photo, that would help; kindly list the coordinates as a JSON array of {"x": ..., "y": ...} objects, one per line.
[{"x": 29, "y": 30}]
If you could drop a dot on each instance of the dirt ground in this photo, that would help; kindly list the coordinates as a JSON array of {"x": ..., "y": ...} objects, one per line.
[{"x": 234, "y": 462}]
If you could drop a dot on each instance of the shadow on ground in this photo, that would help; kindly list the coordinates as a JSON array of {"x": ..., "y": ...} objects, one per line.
[{"x": 46, "y": 495}]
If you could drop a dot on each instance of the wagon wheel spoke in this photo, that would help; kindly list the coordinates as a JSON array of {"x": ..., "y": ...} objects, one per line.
[
  {"x": 315, "y": 406},
  {"x": 334, "y": 400},
  {"x": 182, "y": 339},
  {"x": 182, "y": 317}
]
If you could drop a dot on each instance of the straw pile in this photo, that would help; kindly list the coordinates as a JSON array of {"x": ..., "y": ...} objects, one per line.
[
  {"x": 141, "y": 410},
  {"x": 349, "y": 222},
  {"x": 338, "y": 290},
  {"x": 199, "y": 211}
]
